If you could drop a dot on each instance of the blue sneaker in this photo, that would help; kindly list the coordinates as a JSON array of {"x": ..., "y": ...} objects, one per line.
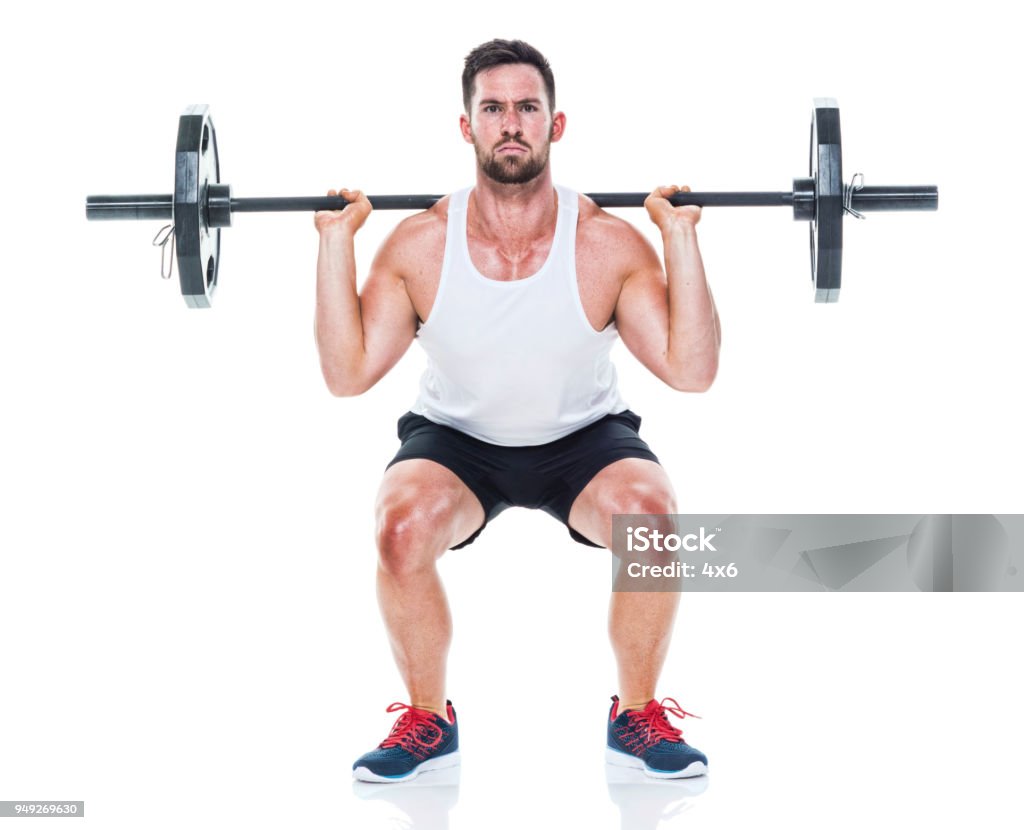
[
  {"x": 644, "y": 739},
  {"x": 419, "y": 741}
]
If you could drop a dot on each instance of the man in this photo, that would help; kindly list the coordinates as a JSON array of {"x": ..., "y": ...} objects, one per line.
[{"x": 516, "y": 289}]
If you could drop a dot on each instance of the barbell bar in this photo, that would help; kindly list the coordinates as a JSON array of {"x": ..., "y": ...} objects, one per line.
[
  {"x": 161, "y": 206},
  {"x": 201, "y": 205}
]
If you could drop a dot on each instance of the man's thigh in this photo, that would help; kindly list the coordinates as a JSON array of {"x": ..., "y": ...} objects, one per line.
[
  {"x": 630, "y": 485},
  {"x": 432, "y": 496}
]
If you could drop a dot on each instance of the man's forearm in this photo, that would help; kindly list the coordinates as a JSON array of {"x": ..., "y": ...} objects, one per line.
[
  {"x": 338, "y": 325},
  {"x": 693, "y": 330}
]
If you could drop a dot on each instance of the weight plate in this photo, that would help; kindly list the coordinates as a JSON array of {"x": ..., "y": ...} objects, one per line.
[
  {"x": 827, "y": 224},
  {"x": 196, "y": 167}
]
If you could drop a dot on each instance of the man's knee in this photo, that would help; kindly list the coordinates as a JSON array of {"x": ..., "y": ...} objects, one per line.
[
  {"x": 412, "y": 531},
  {"x": 637, "y": 496}
]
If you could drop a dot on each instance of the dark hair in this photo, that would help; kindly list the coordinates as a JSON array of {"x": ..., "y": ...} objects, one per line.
[{"x": 500, "y": 52}]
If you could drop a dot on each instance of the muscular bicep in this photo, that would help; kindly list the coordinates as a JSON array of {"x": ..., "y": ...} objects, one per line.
[
  {"x": 389, "y": 319},
  {"x": 670, "y": 323},
  {"x": 641, "y": 312}
]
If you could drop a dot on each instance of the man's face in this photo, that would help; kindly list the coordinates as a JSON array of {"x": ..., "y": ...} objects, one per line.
[{"x": 510, "y": 123}]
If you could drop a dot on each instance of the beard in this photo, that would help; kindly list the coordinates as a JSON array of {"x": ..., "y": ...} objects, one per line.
[{"x": 514, "y": 168}]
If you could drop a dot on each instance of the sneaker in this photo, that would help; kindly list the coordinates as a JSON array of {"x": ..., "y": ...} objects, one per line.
[
  {"x": 419, "y": 741},
  {"x": 644, "y": 739}
]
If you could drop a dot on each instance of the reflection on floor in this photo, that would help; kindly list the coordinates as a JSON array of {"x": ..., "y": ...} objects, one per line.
[
  {"x": 644, "y": 803},
  {"x": 426, "y": 800}
]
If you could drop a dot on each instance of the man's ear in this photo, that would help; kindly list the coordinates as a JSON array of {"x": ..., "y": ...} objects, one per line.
[
  {"x": 466, "y": 128},
  {"x": 557, "y": 126}
]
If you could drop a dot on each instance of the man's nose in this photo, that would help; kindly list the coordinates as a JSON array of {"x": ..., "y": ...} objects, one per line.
[{"x": 510, "y": 124}]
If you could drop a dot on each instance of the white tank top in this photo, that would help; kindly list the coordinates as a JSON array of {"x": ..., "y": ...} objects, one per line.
[{"x": 516, "y": 362}]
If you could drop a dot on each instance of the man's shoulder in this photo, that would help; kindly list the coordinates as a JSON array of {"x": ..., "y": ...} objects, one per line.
[
  {"x": 605, "y": 231},
  {"x": 419, "y": 235},
  {"x": 426, "y": 223}
]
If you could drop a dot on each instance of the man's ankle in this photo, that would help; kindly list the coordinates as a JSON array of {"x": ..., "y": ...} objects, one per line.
[
  {"x": 624, "y": 705},
  {"x": 439, "y": 711}
]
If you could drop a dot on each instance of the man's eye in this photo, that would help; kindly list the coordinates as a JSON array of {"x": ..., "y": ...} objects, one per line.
[
  {"x": 529, "y": 108},
  {"x": 491, "y": 108}
]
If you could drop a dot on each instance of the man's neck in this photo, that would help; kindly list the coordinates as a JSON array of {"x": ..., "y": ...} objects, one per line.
[{"x": 513, "y": 213}]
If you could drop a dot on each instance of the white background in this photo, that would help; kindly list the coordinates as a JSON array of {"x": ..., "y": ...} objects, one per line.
[{"x": 188, "y": 630}]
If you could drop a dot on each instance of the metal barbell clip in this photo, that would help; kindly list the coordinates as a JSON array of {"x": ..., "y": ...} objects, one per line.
[
  {"x": 848, "y": 191},
  {"x": 163, "y": 236}
]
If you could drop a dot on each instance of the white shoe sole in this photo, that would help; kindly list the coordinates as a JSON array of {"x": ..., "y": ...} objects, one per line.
[
  {"x": 452, "y": 759},
  {"x": 621, "y": 759}
]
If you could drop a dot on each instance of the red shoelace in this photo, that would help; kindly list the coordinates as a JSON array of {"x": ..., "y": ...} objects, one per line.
[
  {"x": 654, "y": 718},
  {"x": 414, "y": 730}
]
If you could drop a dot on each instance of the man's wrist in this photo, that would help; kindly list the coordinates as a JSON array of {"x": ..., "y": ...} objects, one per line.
[
  {"x": 678, "y": 229},
  {"x": 337, "y": 233}
]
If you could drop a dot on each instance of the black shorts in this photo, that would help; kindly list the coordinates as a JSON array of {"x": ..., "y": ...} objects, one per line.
[{"x": 548, "y": 476}]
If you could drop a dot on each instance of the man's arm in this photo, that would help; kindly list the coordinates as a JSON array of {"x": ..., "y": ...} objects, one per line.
[
  {"x": 359, "y": 337},
  {"x": 670, "y": 324}
]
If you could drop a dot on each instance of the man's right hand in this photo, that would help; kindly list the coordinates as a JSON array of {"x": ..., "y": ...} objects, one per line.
[{"x": 351, "y": 218}]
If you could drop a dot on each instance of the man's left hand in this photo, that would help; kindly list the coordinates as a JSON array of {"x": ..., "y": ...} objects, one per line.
[{"x": 664, "y": 214}]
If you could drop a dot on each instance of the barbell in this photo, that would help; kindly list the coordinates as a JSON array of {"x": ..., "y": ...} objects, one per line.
[{"x": 202, "y": 205}]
